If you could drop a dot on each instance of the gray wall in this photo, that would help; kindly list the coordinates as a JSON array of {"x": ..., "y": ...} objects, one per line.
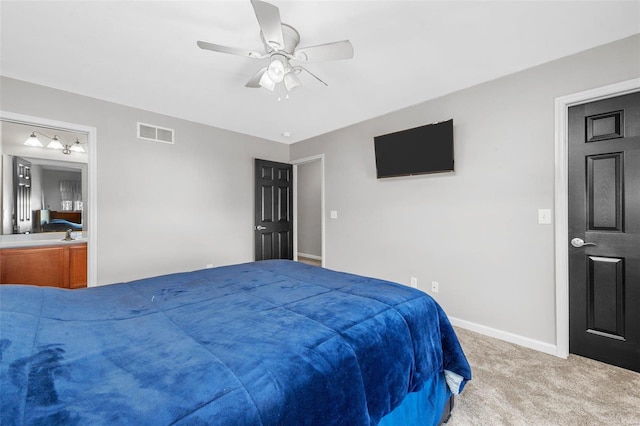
[
  {"x": 161, "y": 208},
  {"x": 474, "y": 231},
  {"x": 309, "y": 209}
]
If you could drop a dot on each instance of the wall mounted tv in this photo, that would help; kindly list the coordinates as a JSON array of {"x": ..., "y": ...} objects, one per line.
[{"x": 424, "y": 149}]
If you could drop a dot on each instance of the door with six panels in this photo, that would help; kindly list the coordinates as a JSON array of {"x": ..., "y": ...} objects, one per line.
[
  {"x": 604, "y": 230},
  {"x": 273, "y": 230}
]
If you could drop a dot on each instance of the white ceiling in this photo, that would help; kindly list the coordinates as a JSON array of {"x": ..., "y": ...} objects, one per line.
[{"x": 144, "y": 54}]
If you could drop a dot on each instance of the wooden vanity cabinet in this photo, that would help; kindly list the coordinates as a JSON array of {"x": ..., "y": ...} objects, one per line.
[
  {"x": 78, "y": 266},
  {"x": 63, "y": 266}
]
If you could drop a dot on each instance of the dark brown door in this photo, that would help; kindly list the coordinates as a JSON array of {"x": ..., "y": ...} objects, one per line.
[
  {"x": 273, "y": 210},
  {"x": 604, "y": 230}
]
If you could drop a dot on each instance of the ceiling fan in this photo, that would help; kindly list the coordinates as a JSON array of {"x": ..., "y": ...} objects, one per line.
[{"x": 281, "y": 47}]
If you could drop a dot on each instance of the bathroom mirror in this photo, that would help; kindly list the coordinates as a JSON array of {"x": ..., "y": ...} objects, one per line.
[{"x": 43, "y": 189}]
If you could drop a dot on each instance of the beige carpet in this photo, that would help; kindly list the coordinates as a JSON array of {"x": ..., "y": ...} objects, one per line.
[
  {"x": 513, "y": 385},
  {"x": 309, "y": 261}
]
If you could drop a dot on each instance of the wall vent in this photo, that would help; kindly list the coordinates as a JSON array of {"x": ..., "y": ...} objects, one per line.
[{"x": 155, "y": 133}]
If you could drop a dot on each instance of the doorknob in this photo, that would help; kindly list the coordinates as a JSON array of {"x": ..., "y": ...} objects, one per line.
[
  {"x": 260, "y": 228},
  {"x": 579, "y": 242}
]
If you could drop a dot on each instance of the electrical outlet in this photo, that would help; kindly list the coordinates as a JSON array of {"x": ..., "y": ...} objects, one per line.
[
  {"x": 434, "y": 286},
  {"x": 414, "y": 282}
]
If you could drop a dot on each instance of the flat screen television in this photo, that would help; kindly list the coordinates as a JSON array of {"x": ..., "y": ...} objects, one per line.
[{"x": 424, "y": 149}]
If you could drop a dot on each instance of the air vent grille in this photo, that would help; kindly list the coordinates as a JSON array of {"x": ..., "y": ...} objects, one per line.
[{"x": 155, "y": 133}]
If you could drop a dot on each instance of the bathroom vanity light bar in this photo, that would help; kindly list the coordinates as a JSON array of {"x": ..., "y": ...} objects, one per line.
[{"x": 54, "y": 143}]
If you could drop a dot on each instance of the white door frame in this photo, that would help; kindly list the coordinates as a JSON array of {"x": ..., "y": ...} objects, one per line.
[
  {"x": 561, "y": 198},
  {"x": 296, "y": 163},
  {"x": 90, "y": 204}
]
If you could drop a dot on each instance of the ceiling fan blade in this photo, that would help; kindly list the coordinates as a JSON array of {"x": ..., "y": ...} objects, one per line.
[
  {"x": 231, "y": 50},
  {"x": 300, "y": 68},
  {"x": 325, "y": 52},
  {"x": 255, "y": 80},
  {"x": 270, "y": 24}
]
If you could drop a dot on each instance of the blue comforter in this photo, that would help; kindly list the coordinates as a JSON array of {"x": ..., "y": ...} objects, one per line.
[{"x": 264, "y": 343}]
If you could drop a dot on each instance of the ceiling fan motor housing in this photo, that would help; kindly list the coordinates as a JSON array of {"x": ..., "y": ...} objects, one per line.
[{"x": 290, "y": 36}]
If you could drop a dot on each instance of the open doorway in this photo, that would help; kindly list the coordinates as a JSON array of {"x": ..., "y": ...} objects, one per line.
[
  {"x": 45, "y": 157},
  {"x": 308, "y": 216}
]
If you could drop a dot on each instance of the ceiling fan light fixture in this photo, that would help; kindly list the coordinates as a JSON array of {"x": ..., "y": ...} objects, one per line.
[
  {"x": 55, "y": 144},
  {"x": 33, "y": 141},
  {"x": 267, "y": 82},
  {"x": 276, "y": 68},
  {"x": 291, "y": 81}
]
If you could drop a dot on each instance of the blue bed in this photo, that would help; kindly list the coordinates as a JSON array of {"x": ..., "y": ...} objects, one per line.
[
  {"x": 263, "y": 343},
  {"x": 60, "y": 225}
]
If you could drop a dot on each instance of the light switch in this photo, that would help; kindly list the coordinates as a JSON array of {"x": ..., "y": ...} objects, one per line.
[
  {"x": 544, "y": 216},
  {"x": 334, "y": 214}
]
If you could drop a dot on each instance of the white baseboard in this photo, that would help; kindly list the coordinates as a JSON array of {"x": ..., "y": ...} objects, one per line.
[
  {"x": 506, "y": 336},
  {"x": 309, "y": 256}
]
